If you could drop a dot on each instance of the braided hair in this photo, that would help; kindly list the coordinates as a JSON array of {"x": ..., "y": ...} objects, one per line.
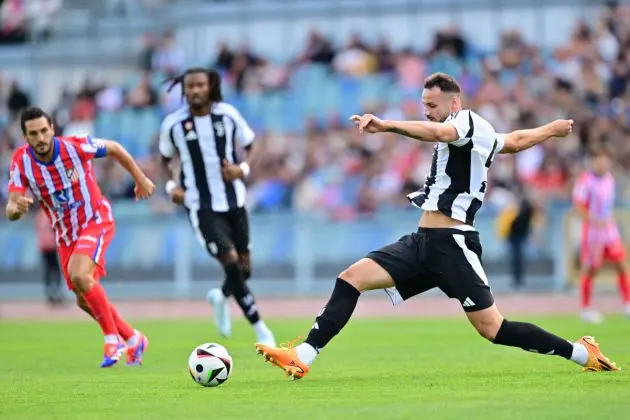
[{"x": 214, "y": 80}]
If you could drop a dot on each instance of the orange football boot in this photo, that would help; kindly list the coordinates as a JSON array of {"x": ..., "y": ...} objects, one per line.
[
  {"x": 285, "y": 358},
  {"x": 596, "y": 360}
]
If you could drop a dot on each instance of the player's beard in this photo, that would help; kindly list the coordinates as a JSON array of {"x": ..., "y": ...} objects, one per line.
[
  {"x": 437, "y": 119},
  {"x": 198, "y": 106},
  {"x": 45, "y": 153}
]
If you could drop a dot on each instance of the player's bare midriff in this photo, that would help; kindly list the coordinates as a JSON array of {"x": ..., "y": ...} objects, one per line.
[{"x": 437, "y": 219}]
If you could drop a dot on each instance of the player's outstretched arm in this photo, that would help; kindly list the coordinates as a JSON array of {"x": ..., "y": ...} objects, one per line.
[
  {"x": 420, "y": 130},
  {"x": 17, "y": 206},
  {"x": 520, "y": 140},
  {"x": 144, "y": 186}
]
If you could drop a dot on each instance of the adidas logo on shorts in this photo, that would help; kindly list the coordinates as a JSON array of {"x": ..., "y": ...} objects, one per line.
[{"x": 468, "y": 303}]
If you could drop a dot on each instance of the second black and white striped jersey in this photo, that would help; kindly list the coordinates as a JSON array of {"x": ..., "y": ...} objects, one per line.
[
  {"x": 458, "y": 179},
  {"x": 202, "y": 144}
]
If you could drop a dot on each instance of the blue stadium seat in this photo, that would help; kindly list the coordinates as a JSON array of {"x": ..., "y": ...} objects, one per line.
[
  {"x": 293, "y": 113},
  {"x": 169, "y": 243},
  {"x": 446, "y": 64},
  {"x": 283, "y": 245},
  {"x": 117, "y": 247},
  {"x": 349, "y": 95},
  {"x": 108, "y": 125},
  {"x": 12, "y": 248},
  {"x": 372, "y": 90}
]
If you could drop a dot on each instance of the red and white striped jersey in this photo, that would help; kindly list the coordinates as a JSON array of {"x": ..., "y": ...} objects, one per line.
[
  {"x": 66, "y": 186},
  {"x": 597, "y": 194}
]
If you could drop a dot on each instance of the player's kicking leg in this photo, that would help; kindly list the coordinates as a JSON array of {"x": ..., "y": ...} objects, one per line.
[
  {"x": 362, "y": 276},
  {"x": 448, "y": 259},
  {"x": 463, "y": 277},
  {"x": 491, "y": 325}
]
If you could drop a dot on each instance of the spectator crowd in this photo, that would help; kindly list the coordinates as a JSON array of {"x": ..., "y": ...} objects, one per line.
[{"x": 320, "y": 164}]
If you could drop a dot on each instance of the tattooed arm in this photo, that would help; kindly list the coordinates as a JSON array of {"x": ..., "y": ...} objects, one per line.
[
  {"x": 419, "y": 130},
  {"x": 423, "y": 130}
]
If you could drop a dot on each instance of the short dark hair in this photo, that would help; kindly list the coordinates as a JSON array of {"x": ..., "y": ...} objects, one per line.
[
  {"x": 443, "y": 81},
  {"x": 214, "y": 79},
  {"x": 30, "y": 114}
]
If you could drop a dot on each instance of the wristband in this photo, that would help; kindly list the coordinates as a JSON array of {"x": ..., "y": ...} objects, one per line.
[
  {"x": 245, "y": 168},
  {"x": 170, "y": 186}
]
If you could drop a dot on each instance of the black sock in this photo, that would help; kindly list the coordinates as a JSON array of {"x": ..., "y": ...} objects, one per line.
[
  {"x": 335, "y": 314},
  {"x": 241, "y": 292},
  {"x": 529, "y": 337},
  {"x": 227, "y": 292}
]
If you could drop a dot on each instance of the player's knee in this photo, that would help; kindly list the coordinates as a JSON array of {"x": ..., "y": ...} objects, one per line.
[
  {"x": 229, "y": 257},
  {"x": 488, "y": 329},
  {"x": 487, "y": 322},
  {"x": 82, "y": 281},
  {"x": 353, "y": 276},
  {"x": 488, "y": 332}
]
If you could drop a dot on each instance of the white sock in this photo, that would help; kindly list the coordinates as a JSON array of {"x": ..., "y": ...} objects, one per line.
[
  {"x": 306, "y": 353},
  {"x": 579, "y": 354},
  {"x": 261, "y": 328},
  {"x": 133, "y": 340},
  {"x": 111, "y": 339}
]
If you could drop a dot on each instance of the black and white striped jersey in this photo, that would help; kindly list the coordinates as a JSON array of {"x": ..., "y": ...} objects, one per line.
[
  {"x": 457, "y": 182},
  {"x": 202, "y": 143}
]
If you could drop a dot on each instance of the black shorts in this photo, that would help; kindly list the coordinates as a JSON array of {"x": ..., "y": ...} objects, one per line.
[
  {"x": 449, "y": 259},
  {"x": 221, "y": 232}
]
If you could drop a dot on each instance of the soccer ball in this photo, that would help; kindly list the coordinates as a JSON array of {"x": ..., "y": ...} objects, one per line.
[{"x": 210, "y": 364}]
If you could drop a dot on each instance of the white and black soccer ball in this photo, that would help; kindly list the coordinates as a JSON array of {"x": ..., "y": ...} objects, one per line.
[{"x": 210, "y": 364}]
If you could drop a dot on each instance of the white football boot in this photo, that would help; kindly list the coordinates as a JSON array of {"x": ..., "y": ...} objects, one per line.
[
  {"x": 221, "y": 311},
  {"x": 591, "y": 316}
]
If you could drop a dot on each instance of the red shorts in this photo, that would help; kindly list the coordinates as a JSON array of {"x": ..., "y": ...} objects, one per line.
[
  {"x": 594, "y": 255},
  {"x": 93, "y": 242}
]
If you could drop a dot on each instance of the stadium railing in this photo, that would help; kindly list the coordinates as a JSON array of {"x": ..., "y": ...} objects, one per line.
[{"x": 158, "y": 256}]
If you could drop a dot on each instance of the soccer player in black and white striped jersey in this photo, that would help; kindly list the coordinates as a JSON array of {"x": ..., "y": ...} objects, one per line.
[
  {"x": 445, "y": 251},
  {"x": 206, "y": 135}
]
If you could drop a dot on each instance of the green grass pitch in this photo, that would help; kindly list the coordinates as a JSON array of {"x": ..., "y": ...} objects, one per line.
[{"x": 387, "y": 368}]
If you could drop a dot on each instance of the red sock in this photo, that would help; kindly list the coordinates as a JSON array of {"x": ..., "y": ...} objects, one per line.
[
  {"x": 586, "y": 288},
  {"x": 124, "y": 329},
  {"x": 623, "y": 287},
  {"x": 99, "y": 305}
]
